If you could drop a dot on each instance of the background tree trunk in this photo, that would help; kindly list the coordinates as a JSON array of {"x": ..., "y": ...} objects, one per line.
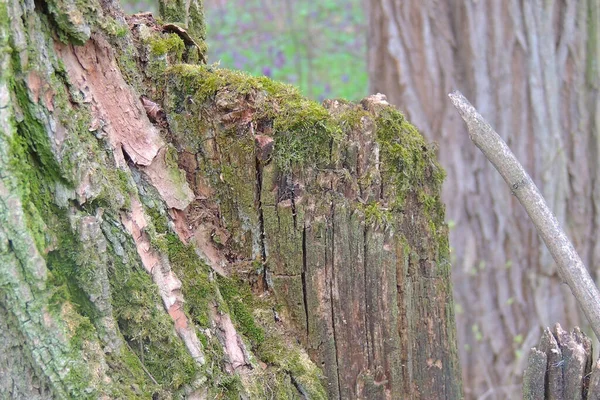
[
  {"x": 532, "y": 70},
  {"x": 170, "y": 229}
]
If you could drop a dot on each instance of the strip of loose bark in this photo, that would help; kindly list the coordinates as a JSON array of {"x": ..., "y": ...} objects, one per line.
[{"x": 570, "y": 266}]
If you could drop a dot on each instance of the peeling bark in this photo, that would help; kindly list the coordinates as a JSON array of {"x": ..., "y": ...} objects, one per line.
[{"x": 227, "y": 238}]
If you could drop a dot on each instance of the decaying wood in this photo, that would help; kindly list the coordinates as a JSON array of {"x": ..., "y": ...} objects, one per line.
[
  {"x": 561, "y": 367},
  {"x": 570, "y": 266},
  {"x": 169, "y": 229}
]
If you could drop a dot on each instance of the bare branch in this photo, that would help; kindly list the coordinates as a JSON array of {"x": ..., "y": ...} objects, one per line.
[{"x": 570, "y": 266}]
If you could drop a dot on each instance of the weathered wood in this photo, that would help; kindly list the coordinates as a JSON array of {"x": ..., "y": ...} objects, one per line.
[
  {"x": 169, "y": 229},
  {"x": 534, "y": 376},
  {"x": 594, "y": 388},
  {"x": 561, "y": 368},
  {"x": 554, "y": 375}
]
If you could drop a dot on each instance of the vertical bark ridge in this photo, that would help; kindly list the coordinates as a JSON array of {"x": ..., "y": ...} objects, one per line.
[
  {"x": 367, "y": 296},
  {"x": 334, "y": 309}
]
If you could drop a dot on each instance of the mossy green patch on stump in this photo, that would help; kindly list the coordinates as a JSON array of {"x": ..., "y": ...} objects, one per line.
[{"x": 303, "y": 130}]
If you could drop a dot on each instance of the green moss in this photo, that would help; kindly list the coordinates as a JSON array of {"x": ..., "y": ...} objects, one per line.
[
  {"x": 353, "y": 117},
  {"x": 123, "y": 182},
  {"x": 411, "y": 167},
  {"x": 113, "y": 27},
  {"x": 162, "y": 49},
  {"x": 169, "y": 43},
  {"x": 172, "y": 10},
  {"x": 148, "y": 329},
  {"x": 239, "y": 300},
  {"x": 128, "y": 64},
  {"x": 230, "y": 387},
  {"x": 130, "y": 381},
  {"x": 34, "y": 135},
  {"x": 303, "y": 134},
  {"x": 287, "y": 361},
  {"x": 67, "y": 277},
  {"x": 74, "y": 18},
  {"x": 34, "y": 164},
  {"x": 405, "y": 154},
  {"x": 159, "y": 220},
  {"x": 197, "y": 289},
  {"x": 303, "y": 130},
  {"x": 376, "y": 214}
]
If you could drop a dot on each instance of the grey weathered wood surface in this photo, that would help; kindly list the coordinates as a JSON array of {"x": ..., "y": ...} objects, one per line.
[{"x": 560, "y": 368}]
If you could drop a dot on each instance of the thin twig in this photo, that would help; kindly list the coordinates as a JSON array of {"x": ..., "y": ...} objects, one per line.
[
  {"x": 570, "y": 266},
  {"x": 142, "y": 364}
]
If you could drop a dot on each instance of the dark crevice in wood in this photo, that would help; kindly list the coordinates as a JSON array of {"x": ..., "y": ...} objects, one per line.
[
  {"x": 299, "y": 387},
  {"x": 366, "y": 299},
  {"x": 333, "y": 313},
  {"x": 261, "y": 222},
  {"x": 294, "y": 213},
  {"x": 304, "y": 288}
]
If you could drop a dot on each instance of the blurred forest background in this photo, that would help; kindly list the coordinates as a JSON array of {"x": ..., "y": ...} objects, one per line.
[
  {"x": 531, "y": 68},
  {"x": 318, "y": 46}
]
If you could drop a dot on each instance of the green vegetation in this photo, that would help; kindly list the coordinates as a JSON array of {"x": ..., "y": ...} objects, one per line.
[
  {"x": 198, "y": 289},
  {"x": 166, "y": 44},
  {"x": 73, "y": 18},
  {"x": 302, "y": 129},
  {"x": 410, "y": 162},
  {"x": 149, "y": 331},
  {"x": 239, "y": 300},
  {"x": 318, "y": 46}
]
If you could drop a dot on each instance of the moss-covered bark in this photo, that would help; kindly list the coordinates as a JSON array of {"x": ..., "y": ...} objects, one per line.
[{"x": 172, "y": 229}]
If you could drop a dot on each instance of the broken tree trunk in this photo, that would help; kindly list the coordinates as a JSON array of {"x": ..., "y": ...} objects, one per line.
[
  {"x": 171, "y": 229},
  {"x": 561, "y": 368}
]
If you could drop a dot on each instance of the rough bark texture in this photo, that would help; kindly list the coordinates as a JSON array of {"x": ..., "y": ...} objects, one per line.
[
  {"x": 170, "y": 229},
  {"x": 531, "y": 69}
]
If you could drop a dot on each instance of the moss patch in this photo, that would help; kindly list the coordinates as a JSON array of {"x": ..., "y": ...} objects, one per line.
[
  {"x": 303, "y": 130},
  {"x": 148, "y": 329},
  {"x": 239, "y": 300},
  {"x": 73, "y": 18},
  {"x": 410, "y": 162},
  {"x": 167, "y": 44},
  {"x": 198, "y": 290}
]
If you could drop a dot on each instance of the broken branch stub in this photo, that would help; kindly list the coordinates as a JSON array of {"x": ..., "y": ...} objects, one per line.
[
  {"x": 571, "y": 268},
  {"x": 560, "y": 368}
]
